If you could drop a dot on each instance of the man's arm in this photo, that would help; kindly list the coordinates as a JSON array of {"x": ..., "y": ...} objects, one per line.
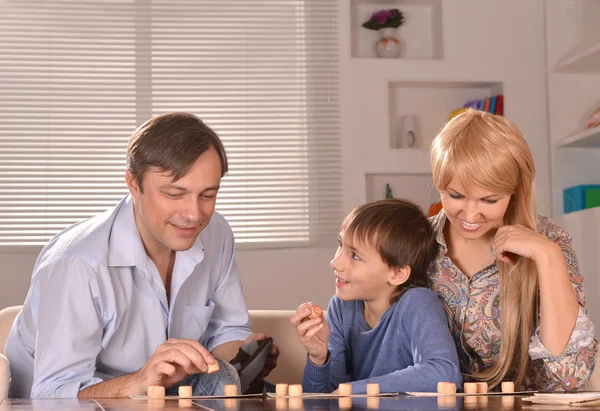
[
  {"x": 119, "y": 387},
  {"x": 68, "y": 329},
  {"x": 172, "y": 361}
]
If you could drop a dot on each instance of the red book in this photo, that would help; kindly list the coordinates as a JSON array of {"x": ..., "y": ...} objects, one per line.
[
  {"x": 499, "y": 105},
  {"x": 486, "y": 106}
]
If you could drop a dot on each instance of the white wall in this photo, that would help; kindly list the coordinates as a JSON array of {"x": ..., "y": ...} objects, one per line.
[{"x": 482, "y": 42}]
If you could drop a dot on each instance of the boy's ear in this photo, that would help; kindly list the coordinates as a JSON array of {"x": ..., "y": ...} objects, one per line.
[{"x": 400, "y": 275}]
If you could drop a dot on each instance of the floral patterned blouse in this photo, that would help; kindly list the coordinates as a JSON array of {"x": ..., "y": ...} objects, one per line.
[{"x": 474, "y": 318}]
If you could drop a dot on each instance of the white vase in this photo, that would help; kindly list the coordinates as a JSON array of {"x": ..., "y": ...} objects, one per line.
[
  {"x": 407, "y": 132},
  {"x": 388, "y": 45}
]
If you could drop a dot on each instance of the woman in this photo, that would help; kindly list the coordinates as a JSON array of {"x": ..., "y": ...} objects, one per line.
[{"x": 508, "y": 278}]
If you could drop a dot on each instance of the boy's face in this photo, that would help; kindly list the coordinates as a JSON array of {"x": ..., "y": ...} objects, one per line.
[
  {"x": 361, "y": 274},
  {"x": 170, "y": 214}
]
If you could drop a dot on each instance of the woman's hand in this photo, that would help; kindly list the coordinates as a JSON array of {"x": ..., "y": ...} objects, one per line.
[
  {"x": 513, "y": 240},
  {"x": 313, "y": 333}
]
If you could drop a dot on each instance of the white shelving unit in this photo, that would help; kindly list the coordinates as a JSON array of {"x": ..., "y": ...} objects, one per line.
[
  {"x": 447, "y": 62},
  {"x": 573, "y": 72},
  {"x": 416, "y": 187},
  {"x": 586, "y": 138},
  {"x": 573, "y": 50},
  {"x": 430, "y": 103},
  {"x": 420, "y": 35},
  {"x": 585, "y": 59}
]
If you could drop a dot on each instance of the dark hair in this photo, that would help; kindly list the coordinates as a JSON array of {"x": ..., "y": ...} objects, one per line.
[
  {"x": 171, "y": 142},
  {"x": 400, "y": 232}
]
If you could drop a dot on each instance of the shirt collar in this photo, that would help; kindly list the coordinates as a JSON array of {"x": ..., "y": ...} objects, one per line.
[{"x": 127, "y": 249}]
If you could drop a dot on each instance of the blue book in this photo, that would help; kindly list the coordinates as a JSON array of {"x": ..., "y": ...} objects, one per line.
[
  {"x": 493, "y": 104},
  {"x": 481, "y": 105}
]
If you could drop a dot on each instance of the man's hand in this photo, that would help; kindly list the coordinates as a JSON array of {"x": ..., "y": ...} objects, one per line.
[{"x": 172, "y": 361}]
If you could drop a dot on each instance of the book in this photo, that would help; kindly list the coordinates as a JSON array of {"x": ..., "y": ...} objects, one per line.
[{"x": 499, "y": 105}]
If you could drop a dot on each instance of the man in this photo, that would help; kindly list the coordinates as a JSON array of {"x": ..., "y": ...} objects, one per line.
[{"x": 147, "y": 293}]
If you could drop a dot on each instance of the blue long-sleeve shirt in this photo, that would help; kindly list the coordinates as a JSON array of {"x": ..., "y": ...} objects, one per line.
[{"x": 410, "y": 349}]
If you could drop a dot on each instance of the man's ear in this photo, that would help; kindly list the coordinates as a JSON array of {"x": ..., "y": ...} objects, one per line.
[
  {"x": 132, "y": 184},
  {"x": 400, "y": 275}
]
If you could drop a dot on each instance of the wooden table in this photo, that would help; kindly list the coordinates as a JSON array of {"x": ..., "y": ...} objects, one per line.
[{"x": 401, "y": 402}]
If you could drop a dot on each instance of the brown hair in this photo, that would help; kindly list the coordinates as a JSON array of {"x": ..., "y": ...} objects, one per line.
[
  {"x": 491, "y": 152},
  {"x": 171, "y": 142},
  {"x": 401, "y": 234}
]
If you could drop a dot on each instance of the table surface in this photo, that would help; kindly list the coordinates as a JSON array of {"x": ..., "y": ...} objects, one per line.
[{"x": 401, "y": 402}]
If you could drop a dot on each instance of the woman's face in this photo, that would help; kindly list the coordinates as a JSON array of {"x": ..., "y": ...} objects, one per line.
[{"x": 472, "y": 210}]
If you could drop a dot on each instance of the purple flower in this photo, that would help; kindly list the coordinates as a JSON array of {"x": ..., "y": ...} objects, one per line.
[{"x": 380, "y": 16}]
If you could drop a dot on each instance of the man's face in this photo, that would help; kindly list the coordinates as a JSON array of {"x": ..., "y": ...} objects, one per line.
[{"x": 170, "y": 214}]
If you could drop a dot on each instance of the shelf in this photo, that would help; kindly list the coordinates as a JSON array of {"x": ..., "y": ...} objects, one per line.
[
  {"x": 430, "y": 103},
  {"x": 416, "y": 187},
  {"x": 584, "y": 60},
  {"x": 420, "y": 35},
  {"x": 586, "y": 138}
]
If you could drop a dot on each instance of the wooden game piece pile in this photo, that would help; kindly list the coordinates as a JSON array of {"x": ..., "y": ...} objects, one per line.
[
  {"x": 448, "y": 388},
  {"x": 295, "y": 390},
  {"x": 185, "y": 391}
]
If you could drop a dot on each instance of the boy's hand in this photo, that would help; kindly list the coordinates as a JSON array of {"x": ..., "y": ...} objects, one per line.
[{"x": 313, "y": 333}]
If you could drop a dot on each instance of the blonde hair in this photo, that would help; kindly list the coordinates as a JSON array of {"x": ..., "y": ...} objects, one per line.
[{"x": 488, "y": 151}]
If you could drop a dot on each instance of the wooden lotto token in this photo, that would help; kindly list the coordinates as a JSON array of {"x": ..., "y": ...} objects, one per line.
[
  {"x": 345, "y": 389},
  {"x": 281, "y": 389},
  {"x": 295, "y": 390},
  {"x": 213, "y": 368},
  {"x": 230, "y": 390},
  {"x": 508, "y": 386},
  {"x": 183, "y": 403},
  {"x": 185, "y": 391},
  {"x": 470, "y": 388},
  {"x": 156, "y": 391},
  {"x": 372, "y": 389},
  {"x": 482, "y": 387},
  {"x": 315, "y": 312},
  {"x": 446, "y": 388}
]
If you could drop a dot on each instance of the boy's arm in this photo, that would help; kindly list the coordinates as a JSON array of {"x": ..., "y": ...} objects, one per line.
[
  {"x": 434, "y": 353},
  {"x": 326, "y": 378}
]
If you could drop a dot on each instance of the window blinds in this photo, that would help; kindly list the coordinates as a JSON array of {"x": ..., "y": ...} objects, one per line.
[{"x": 77, "y": 77}]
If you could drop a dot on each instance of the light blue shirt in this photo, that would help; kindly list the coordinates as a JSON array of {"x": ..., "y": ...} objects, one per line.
[{"x": 97, "y": 307}]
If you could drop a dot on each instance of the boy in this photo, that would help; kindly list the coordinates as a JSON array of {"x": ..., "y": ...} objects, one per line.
[{"x": 383, "y": 325}]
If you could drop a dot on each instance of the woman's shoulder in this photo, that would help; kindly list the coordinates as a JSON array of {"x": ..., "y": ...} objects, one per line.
[{"x": 550, "y": 229}]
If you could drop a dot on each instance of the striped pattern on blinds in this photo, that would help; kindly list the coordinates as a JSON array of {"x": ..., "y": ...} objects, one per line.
[{"x": 77, "y": 77}]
